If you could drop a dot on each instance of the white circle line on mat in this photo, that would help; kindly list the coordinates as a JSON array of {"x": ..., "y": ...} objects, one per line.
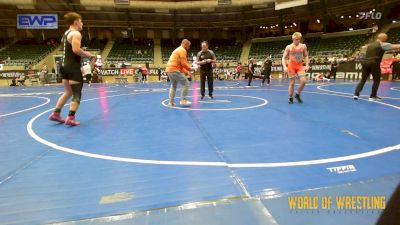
[
  {"x": 376, "y": 152},
  {"x": 28, "y": 109},
  {"x": 345, "y": 93},
  {"x": 264, "y": 102}
]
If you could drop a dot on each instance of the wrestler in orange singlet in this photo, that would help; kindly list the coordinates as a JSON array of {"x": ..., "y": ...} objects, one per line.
[{"x": 297, "y": 54}]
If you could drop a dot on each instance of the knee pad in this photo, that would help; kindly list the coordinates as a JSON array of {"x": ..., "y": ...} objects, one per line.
[{"x": 76, "y": 92}]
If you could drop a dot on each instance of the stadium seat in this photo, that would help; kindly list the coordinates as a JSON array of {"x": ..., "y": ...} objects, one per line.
[
  {"x": 136, "y": 52},
  {"x": 26, "y": 52}
]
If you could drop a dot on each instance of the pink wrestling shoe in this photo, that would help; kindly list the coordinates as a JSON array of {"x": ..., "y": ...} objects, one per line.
[
  {"x": 71, "y": 121},
  {"x": 55, "y": 116}
]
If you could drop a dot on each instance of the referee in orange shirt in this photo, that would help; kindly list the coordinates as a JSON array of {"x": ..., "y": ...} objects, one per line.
[{"x": 176, "y": 68}]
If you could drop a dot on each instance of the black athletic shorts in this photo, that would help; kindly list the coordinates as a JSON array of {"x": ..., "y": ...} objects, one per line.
[{"x": 71, "y": 73}]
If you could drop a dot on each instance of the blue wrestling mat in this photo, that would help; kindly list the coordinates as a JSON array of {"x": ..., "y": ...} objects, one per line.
[{"x": 231, "y": 160}]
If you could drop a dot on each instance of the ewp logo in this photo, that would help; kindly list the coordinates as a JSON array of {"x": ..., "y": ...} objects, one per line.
[
  {"x": 37, "y": 21},
  {"x": 370, "y": 15}
]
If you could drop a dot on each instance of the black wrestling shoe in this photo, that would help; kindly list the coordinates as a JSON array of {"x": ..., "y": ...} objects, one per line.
[
  {"x": 297, "y": 96},
  {"x": 291, "y": 100},
  {"x": 202, "y": 97},
  {"x": 211, "y": 96}
]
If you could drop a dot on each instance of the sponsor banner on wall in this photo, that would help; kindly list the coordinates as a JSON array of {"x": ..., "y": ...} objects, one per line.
[
  {"x": 127, "y": 71},
  {"x": 10, "y": 74},
  {"x": 37, "y": 21},
  {"x": 124, "y": 71},
  {"x": 346, "y": 70},
  {"x": 109, "y": 72}
]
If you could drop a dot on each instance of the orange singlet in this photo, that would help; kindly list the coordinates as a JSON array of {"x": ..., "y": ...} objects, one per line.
[{"x": 296, "y": 56}]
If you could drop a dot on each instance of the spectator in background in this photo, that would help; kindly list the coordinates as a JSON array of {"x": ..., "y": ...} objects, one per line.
[
  {"x": 228, "y": 75},
  {"x": 252, "y": 67},
  {"x": 357, "y": 56},
  {"x": 164, "y": 75},
  {"x": 375, "y": 28},
  {"x": 395, "y": 69},
  {"x": 333, "y": 70},
  {"x": 266, "y": 70},
  {"x": 159, "y": 73},
  {"x": 21, "y": 80},
  {"x": 99, "y": 63},
  {"x": 87, "y": 73},
  {"x": 145, "y": 72},
  {"x": 58, "y": 65},
  {"x": 139, "y": 74},
  {"x": 246, "y": 71},
  {"x": 45, "y": 69},
  {"x": 238, "y": 71},
  {"x": 13, "y": 83}
]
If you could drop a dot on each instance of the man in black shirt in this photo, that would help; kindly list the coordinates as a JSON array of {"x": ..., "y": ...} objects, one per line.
[
  {"x": 159, "y": 73},
  {"x": 371, "y": 65},
  {"x": 333, "y": 71},
  {"x": 205, "y": 58},
  {"x": 252, "y": 66},
  {"x": 266, "y": 70}
]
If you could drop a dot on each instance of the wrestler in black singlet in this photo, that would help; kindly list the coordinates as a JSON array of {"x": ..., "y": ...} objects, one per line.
[{"x": 71, "y": 67}]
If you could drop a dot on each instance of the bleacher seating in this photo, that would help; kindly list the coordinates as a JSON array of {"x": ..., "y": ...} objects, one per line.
[
  {"x": 167, "y": 47},
  {"x": 394, "y": 35},
  {"x": 136, "y": 52},
  {"x": 27, "y": 52},
  {"x": 96, "y": 44},
  {"x": 317, "y": 47},
  {"x": 5, "y": 41},
  {"x": 260, "y": 50},
  {"x": 228, "y": 50},
  {"x": 337, "y": 46}
]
